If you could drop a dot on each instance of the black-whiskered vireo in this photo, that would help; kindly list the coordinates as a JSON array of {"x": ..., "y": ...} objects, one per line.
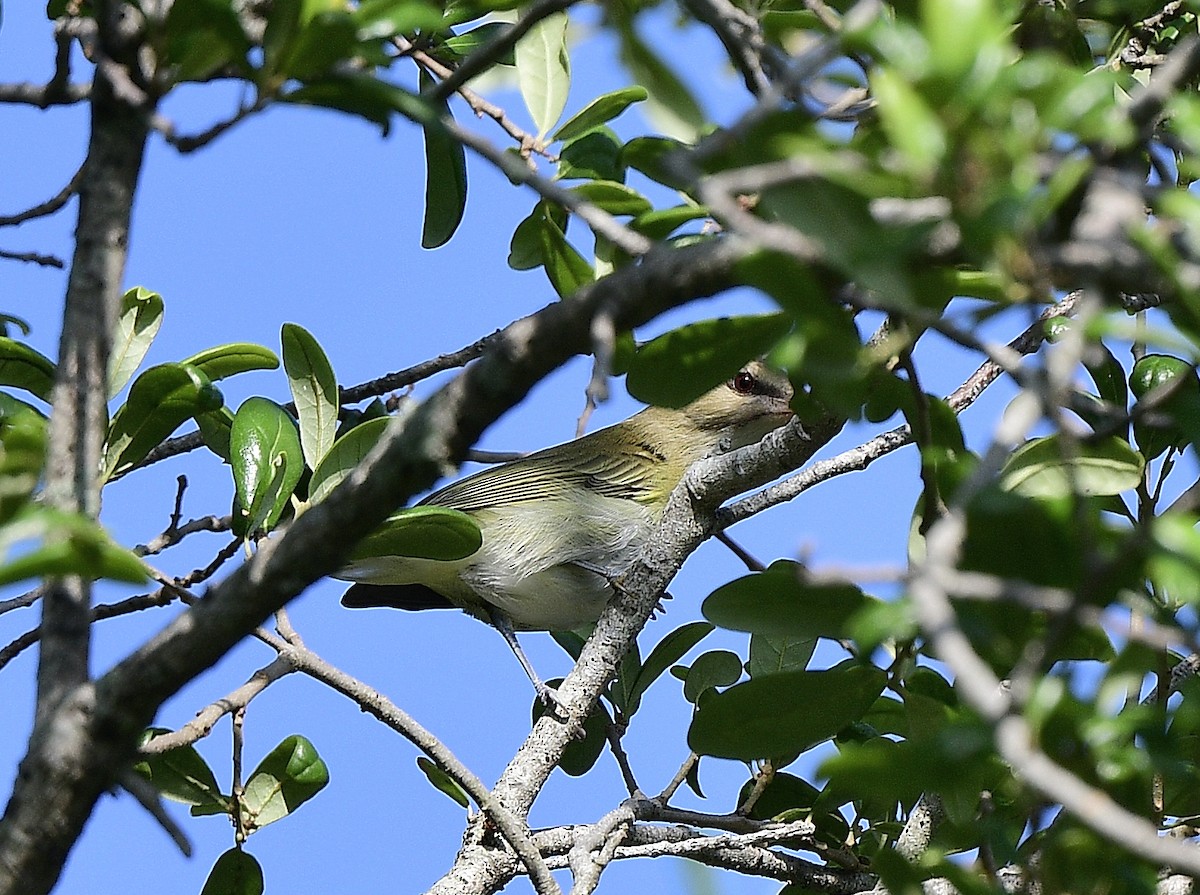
[{"x": 560, "y": 525}]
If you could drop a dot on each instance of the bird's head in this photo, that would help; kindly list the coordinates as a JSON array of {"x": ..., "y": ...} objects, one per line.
[{"x": 743, "y": 409}]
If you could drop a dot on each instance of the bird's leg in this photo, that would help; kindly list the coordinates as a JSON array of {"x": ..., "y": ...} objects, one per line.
[
  {"x": 615, "y": 584},
  {"x": 502, "y": 623}
]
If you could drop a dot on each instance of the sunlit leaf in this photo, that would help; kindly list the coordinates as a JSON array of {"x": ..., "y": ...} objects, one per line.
[
  {"x": 314, "y": 389},
  {"x": 290, "y": 775},
  {"x": 25, "y": 368},
  {"x": 138, "y": 322},
  {"x": 1046, "y": 467},
  {"x": 600, "y": 110},
  {"x": 222, "y": 361},
  {"x": 544, "y": 70},
  {"x": 267, "y": 462}
]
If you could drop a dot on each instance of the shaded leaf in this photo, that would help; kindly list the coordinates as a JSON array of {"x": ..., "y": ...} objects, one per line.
[
  {"x": 445, "y": 178},
  {"x": 235, "y": 873},
  {"x": 25, "y": 368},
  {"x": 773, "y": 653},
  {"x": 615, "y": 198},
  {"x": 681, "y": 365},
  {"x": 785, "y": 713},
  {"x": 181, "y": 774},
  {"x": 666, "y": 653},
  {"x": 779, "y": 601},
  {"x": 159, "y": 401},
  {"x": 716, "y": 668}
]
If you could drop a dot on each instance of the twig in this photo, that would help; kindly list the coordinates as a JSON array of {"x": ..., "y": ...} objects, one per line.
[
  {"x": 34, "y": 258},
  {"x": 44, "y": 209},
  {"x": 150, "y": 799}
]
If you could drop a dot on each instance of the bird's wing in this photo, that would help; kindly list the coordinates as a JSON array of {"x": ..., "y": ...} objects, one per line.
[{"x": 627, "y": 472}]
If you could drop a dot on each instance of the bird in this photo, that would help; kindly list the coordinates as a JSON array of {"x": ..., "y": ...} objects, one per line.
[{"x": 560, "y": 526}]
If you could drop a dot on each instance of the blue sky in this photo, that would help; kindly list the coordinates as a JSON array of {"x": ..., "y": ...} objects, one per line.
[{"x": 307, "y": 216}]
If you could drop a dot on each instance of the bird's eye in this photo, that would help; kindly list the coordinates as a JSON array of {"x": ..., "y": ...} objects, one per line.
[{"x": 744, "y": 383}]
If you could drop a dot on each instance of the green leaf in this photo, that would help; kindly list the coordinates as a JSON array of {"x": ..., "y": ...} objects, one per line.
[
  {"x": 222, "y": 361},
  {"x": 290, "y": 775},
  {"x": 71, "y": 544},
  {"x": 23, "y": 367},
  {"x": 716, "y": 668},
  {"x": 215, "y": 426},
  {"x": 650, "y": 156},
  {"x": 615, "y": 198},
  {"x": 783, "y": 714},
  {"x": 910, "y": 124},
  {"x": 181, "y": 775},
  {"x": 442, "y": 781},
  {"x": 425, "y": 532},
  {"x": 325, "y": 40},
  {"x": 544, "y": 70},
  {"x": 314, "y": 389},
  {"x": 774, "y": 653},
  {"x": 267, "y": 462},
  {"x": 203, "y": 37},
  {"x": 347, "y": 452},
  {"x": 565, "y": 267},
  {"x": 377, "y": 19},
  {"x": 22, "y": 454},
  {"x": 138, "y": 321},
  {"x": 660, "y": 224},
  {"x": 363, "y": 95},
  {"x": 235, "y": 873},
  {"x": 598, "y": 111},
  {"x": 462, "y": 45},
  {"x": 779, "y": 601},
  {"x": 1045, "y": 467},
  {"x": 666, "y": 653},
  {"x": 445, "y": 178},
  {"x": 594, "y": 156},
  {"x": 159, "y": 401},
  {"x": 681, "y": 365}
]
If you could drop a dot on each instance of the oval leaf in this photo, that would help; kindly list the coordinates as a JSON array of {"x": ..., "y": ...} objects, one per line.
[
  {"x": 615, "y": 198},
  {"x": 23, "y": 367},
  {"x": 1042, "y": 468},
  {"x": 717, "y": 668},
  {"x": 780, "y": 602},
  {"x": 159, "y": 401},
  {"x": 666, "y": 653},
  {"x": 347, "y": 452},
  {"x": 290, "y": 775},
  {"x": 314, "y": 389},
  {"x": 598, "y": 111},
  {"x": 544, "y": 70},
  {"x": 783, "y": 714},
  {"x": 424, "y": 532},
  {"x": 235, "y": 873},
  {"x": 180, "y": 774},
  {"x": 267, "y": 462},
  {"x": 221, "y": 361},
  {"x": 445, "y": 178},
  {"x": 138, "y": 322},
  {"x": 679, "y": 366}
]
